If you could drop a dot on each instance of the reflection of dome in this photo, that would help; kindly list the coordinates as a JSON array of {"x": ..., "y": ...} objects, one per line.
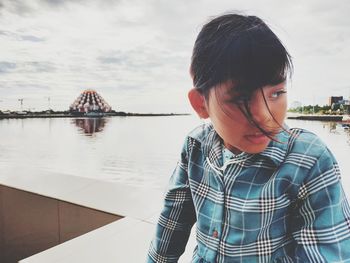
[
  {"x": 89, "y": 126},
  {"x": 89, "y": 101}
]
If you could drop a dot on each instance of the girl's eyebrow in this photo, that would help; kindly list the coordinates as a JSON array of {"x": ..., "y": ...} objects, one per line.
[{"x": 281, "y": 85}]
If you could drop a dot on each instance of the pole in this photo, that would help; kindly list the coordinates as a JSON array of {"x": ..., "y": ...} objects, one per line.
[
  {"x": 48, "y": 102},
  {"x": 21, "y": 100}
]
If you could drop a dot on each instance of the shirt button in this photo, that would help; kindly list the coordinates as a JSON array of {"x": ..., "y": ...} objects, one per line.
[{"x": 215, "y": 234}]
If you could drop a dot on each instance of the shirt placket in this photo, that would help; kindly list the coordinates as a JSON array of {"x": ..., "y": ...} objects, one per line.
[
  {"x": 215, "y": 229},
  {"x": 230, "y": 173}
]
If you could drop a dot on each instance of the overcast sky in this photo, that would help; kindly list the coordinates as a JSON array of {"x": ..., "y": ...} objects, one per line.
[{"x": 136, "y": 53}]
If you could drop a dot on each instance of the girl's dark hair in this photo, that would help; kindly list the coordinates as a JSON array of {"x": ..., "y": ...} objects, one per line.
[{"x": 241, "y": 49}]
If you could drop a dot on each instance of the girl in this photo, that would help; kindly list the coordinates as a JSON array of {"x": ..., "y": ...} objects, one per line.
[{"x": 257, "y": 190}]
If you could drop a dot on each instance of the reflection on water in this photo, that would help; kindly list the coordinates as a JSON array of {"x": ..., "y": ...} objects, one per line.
[
  {"x": 89, "y": 126},
  {"x": 338, "y": 128},
  {"x": 331, "y": 126},
  {"x": 347, "y": 131},
  {"x": 139, "y": 151}
]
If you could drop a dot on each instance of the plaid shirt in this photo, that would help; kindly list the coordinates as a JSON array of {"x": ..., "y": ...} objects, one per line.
[{"x": 285, "y": 204}]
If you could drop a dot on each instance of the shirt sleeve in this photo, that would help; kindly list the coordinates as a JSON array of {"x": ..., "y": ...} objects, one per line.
[
  {"x": 322, "y": 220},
  {"x": 176, "y": 219}
]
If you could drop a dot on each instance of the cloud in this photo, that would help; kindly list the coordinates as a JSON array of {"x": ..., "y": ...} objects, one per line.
[
  {"x": 16, "y": 6},
  {"x": 20, "y": 37},
  {"x": 6, "y": 67},
  {"x": 116, "y": 57},
  {"x": 38, "y": 67},
  {"x": 144, "y": 57},
  {"x": 24, "y": 8},
  {"x": 58, "y": 2},
  {"x": 31, "y": 38},
  {"x": 128, "y": 48},
  {"x": 27, "y": 67}
]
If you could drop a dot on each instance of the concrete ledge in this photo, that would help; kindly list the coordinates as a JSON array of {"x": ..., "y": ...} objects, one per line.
[
  {"x": 125, "y": 240},
  {"x": 121, "y": 242},
  {"x": 114, "y": 198},
  {"x": 31, "y": 223}
]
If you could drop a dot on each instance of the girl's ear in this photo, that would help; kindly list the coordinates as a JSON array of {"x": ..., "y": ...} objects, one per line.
[{"x": 198, "y": 103}]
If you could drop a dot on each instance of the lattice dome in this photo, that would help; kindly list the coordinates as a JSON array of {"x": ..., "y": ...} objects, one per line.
[{"x": 89, "y": 101}]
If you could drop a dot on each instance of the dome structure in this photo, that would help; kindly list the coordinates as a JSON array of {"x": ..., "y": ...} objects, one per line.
[{"x": 89, "y": 101}]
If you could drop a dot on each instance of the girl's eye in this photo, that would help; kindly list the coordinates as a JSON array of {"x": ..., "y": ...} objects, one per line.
[{"x": 278, "y": 93}]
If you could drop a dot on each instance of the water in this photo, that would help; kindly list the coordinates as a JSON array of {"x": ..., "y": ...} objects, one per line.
[
  {"x": 140, "y": 151},
  {"x": 132, "y": 150}
]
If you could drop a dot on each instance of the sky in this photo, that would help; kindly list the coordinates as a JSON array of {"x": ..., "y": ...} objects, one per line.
[{"x": 136, "y": 53}]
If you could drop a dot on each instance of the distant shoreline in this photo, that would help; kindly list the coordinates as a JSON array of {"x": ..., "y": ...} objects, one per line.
[
  {"x": 31, "y": 115},
  {"x": 316, "y": 117},
  {"x": 70, "y": 115}
]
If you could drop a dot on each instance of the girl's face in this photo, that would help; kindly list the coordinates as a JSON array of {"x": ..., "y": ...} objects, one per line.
[{"x": 237, "y": 132}]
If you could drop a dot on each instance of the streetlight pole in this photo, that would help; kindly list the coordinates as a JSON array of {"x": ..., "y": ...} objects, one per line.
[
  {"x": 21, "y": 100},
  {"x": 48, "y": 102}
]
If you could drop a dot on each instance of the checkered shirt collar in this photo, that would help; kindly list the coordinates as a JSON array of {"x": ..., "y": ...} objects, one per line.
[
  {"x": 212, "y": 148},
  {"x": 275, "y": 151}
]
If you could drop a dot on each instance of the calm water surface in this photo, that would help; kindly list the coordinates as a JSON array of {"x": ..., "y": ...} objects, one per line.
[{"x": 132, "y": 150}]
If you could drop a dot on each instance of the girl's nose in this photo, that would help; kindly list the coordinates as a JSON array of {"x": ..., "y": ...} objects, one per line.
[{"x": 260, "y": 110}]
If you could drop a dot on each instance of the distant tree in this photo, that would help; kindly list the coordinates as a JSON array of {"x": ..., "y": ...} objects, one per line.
[
  {"x": 346, "y": 109},
  {"x": 310, "y": 109},
  {"x": 335, "y": 106}
]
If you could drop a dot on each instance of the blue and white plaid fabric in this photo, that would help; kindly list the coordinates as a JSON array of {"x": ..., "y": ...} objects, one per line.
[{"x": 285, "y": 204}]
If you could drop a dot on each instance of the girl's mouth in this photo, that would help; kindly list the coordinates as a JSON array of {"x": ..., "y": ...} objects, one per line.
[{"x": 257, "y": 138}]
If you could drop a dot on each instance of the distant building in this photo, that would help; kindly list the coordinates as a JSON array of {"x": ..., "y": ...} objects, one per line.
[
  {"x": 334, "y": 99},
  {"x": 344, "y": 102},
  {"x": 89, "y": 101},
  {"x": 346, "y": 106}
]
